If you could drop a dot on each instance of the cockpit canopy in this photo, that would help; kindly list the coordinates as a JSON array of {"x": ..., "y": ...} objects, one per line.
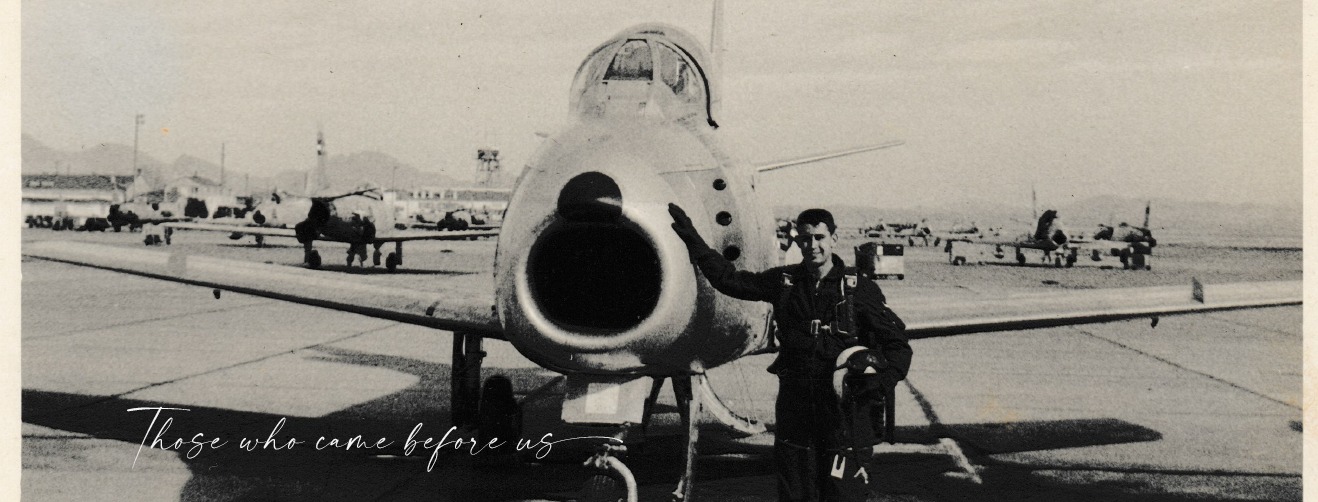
[{"x": 650, "y": 70}]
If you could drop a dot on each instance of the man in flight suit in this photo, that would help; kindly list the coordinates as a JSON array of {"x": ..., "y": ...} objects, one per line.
[{"x": 823, "y": 440}]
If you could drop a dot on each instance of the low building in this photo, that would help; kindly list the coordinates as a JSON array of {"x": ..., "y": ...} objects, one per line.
[
  {"x": 72, "y": 195},
  {"x": 435, "y": 201}
]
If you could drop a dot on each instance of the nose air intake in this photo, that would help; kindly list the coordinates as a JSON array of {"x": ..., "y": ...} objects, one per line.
[{"x": 595, "y": 273}]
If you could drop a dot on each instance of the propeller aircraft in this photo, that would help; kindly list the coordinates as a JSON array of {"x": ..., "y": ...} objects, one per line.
[{"x": 359, "y": 218}]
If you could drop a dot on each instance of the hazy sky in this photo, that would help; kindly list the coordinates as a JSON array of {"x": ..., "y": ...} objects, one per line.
[{"x": 1188, "y": 99}]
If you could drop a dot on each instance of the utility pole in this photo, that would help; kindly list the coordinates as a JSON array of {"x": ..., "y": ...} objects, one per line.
[{"x": 137, "y": 124}]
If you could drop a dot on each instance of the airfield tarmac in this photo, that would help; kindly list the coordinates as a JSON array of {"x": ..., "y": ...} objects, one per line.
[{"x": 1202, "y": 407}]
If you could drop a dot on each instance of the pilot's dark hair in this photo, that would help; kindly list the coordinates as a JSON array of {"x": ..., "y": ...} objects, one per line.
[{"x": 815, "y": 217}]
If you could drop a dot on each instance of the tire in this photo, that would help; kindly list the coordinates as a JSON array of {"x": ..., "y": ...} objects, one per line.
[
  {"x": 391, "y": 262},
  {"x": 313, "y": 260},
  {"x": 1020, "y": 257},
  {"x": 603, "y": 487},
  {"x": 901, "y": 277},
  {"x": 375, "y": 257},
  {"x": 497, "y": 412}
]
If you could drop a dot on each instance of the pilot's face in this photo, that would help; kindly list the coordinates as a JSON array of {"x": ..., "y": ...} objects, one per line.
[{"x": 816, "y": 244}]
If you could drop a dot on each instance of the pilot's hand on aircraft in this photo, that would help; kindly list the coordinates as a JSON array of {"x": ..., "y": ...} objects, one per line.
[{"x": 686, "y": 230}]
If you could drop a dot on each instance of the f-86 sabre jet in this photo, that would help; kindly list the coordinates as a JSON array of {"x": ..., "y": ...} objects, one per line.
[{"x": 591, "y": 281}]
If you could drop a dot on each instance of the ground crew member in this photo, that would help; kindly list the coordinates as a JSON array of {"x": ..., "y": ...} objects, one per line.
[
  {"x": 365, "y": 233},
  {"x": 824, "y": 434}
]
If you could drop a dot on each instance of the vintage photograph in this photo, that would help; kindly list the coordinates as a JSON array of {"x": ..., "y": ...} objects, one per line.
[{"x": 713, "y": 250}]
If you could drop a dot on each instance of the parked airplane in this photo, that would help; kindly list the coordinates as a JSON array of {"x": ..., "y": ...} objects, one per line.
[
  {"x": 1049, "y": 236},
  {"x": 589, "y": 278},
  {"x": 1123, "y": 240},
  {"x": 459, "y": 219},
  {"x": 359, "y": 218},
  {"x": 324, "y": 221}
]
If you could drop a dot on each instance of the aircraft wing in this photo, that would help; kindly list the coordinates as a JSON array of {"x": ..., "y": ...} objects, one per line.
[
  {"x": 1005, "y": 243},
  {"x": 450, "y": 308},
  {"x": 943, "y": 317},
  {"x": 396, "y": 236},
  {"x": 440, "y": 307},
  {"x": 234, "y": 229},
  {"x": 435, "y": 227},
  {"x": 421, "y": 235}
]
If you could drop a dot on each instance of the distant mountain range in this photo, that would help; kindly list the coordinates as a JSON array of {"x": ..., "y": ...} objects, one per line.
[{"x": 344, "y": 171}]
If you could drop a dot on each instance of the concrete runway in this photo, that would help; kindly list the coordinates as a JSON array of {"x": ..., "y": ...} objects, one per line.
[{"x": 1200, "y": 408}]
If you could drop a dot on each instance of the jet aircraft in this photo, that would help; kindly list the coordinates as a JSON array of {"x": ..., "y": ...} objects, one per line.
[
  {"x": 590, "y": 280},
  {"x": 1123, "y": 240},
  {"x": 1049, "y": 236}
]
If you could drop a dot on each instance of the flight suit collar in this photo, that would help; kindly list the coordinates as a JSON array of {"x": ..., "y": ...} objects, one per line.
[{"x": 803, "y": 271}]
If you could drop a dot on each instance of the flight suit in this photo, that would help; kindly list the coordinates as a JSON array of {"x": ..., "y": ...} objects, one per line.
[{"x": 816, "y": 435}]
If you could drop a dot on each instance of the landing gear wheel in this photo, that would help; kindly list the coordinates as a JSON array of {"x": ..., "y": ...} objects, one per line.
[
  {"x": 390, "y": 262},
  {"x": 497, "y": 414},
  {"x": 604, "y": 487},
  {"x": 1020, "y": 257},
  {"x": 612, "y": 480},
  {"x": 313, "y": 259},
  {"x": 901, "y": 277},
  {"x": 375, "y": 258}
]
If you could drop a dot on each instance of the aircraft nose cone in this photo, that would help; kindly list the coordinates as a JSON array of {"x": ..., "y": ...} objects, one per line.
[{"x": 590, "y": 197}]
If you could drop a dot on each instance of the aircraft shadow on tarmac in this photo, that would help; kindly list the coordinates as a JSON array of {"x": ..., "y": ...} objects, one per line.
[{"x": 727, "y": 468}]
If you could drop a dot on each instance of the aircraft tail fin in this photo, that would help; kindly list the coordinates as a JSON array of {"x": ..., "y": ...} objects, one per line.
[
  {"x": 1034, "y": 202},
  {"x": 318, "y": 179}
]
